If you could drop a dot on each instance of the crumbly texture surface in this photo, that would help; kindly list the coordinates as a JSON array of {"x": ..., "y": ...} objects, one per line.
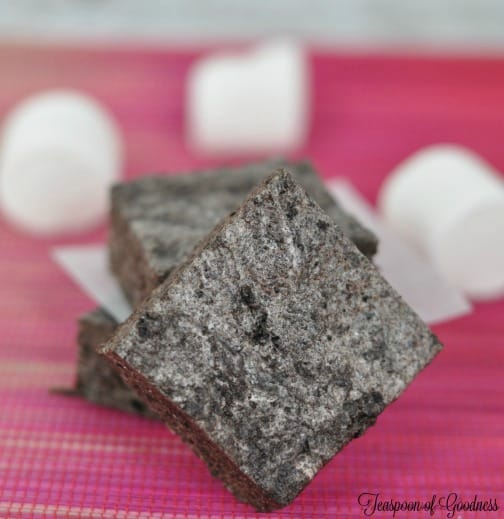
[
  {"x": 272, "y": 346},
  {"x": 156, "y": 221},
  {"x": 97, "y": 380}
]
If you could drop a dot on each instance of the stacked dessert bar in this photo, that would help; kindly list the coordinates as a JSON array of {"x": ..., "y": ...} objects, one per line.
[{"x": 262, "y": 333}]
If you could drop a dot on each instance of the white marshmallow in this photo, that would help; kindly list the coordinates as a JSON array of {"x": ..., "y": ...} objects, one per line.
[
  {"x": 254, "y": 102},
  {"x": 60, "y": 152},
  {"x": 450, "y": 203}
]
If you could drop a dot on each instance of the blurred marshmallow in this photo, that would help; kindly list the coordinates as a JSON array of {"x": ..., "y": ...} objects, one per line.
[
  {"x": 60, "y": 152},
  {"x": 450, "y": 204},
  {"x": 254, "y": 102}
]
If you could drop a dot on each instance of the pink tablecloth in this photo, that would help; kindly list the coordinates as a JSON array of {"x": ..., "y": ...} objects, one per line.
[{"x": 63, "y": 457}]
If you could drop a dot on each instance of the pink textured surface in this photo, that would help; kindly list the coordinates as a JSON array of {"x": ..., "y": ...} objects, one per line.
[{"x": 62, "y": 457}]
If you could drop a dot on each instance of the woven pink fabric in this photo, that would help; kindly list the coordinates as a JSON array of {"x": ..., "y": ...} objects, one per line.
[{"x": 62, "y": 457}]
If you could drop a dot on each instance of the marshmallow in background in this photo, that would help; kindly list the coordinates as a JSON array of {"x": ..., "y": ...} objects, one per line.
[
  {"x": 248, "y": 103},
  {"x": 449, "y": 203},
  {"x": 59, "y": 154}
]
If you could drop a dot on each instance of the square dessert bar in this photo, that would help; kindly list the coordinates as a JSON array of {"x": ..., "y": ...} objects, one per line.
[
  {"x": 272, "y": 345},
  {"x": 153, "y": 205},
  {"x": 156, "y": 221}
]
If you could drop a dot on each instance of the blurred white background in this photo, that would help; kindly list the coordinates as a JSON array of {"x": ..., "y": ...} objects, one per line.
[{"x": 468, "y": 25}]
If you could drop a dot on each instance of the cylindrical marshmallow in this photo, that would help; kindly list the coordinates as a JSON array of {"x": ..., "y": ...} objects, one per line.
[
  {"x": 249, "y": 103},
  {"x": 60, "y": 152},
  {"x": 450, "y": 203}
]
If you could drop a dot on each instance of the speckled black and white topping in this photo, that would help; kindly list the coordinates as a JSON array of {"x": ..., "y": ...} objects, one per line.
[
  {"x": 157, "y": 220},
  {"x": 273, "y": 345}
]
